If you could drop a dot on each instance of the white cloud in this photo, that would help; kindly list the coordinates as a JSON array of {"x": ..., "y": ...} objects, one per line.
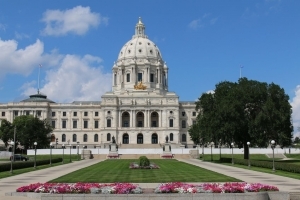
[
  {"x": 23, "y": 61},
  {"x": 2, "y": 27},
  {"x": 206, "y": 19},
  {"x": 77, "y": 79},
  {"x": 77, "y": 20},
  {"x": 21, "y": 35},
  {"x": 296, "y": 111}
]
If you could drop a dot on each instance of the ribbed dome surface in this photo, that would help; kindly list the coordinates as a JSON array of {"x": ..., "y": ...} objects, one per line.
[{"x": 140, "y": 46}]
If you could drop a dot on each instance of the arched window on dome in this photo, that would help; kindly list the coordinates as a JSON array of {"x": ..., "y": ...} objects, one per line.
[
  {"x": 140, "y": 76},
  {"x": 128, "y": 77}
]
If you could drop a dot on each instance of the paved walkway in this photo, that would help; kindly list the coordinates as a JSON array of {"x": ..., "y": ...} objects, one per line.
[{"x": 10, "y": 184}]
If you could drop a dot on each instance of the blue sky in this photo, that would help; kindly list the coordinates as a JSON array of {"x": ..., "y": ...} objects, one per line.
[{"x": 203, "y": 43}]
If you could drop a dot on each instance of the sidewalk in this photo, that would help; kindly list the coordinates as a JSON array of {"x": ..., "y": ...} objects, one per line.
[
  {"x": 10, "y": 184},
  {"x": 284, "y": 184}
]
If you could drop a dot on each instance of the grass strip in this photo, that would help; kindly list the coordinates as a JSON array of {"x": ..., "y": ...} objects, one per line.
[{"x": 110, "y": 171}]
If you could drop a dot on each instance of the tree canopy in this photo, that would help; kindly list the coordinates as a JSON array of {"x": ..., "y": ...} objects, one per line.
[
  {"x": 246, "y": 111},
  {"x": 29, "y": 129}
]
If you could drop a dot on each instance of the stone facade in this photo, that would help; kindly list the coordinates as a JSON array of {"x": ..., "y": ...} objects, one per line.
[{"x": 139, "y": 109}]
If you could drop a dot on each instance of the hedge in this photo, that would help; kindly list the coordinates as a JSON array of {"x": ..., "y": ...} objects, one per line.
[
  {"x": 26, "y": 164},
  {"x": 265, "y": 164}
]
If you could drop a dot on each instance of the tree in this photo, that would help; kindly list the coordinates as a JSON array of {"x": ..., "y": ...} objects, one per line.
[
  {"x": 6, "y": 131},
  {"x": 297, "y": 140},
  {"x": 246, "y": 111},
  {"x": 29, "y": 129}
]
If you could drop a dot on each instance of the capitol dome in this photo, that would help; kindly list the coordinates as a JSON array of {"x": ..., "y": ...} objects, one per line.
[{"x": 140, "y": 46}]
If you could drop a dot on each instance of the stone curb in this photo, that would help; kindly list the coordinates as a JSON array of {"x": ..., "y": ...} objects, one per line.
[{"x": 164, "y": 196}]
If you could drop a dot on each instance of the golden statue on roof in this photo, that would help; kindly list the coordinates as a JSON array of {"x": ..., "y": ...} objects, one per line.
[{"x": 140, "y": 86}]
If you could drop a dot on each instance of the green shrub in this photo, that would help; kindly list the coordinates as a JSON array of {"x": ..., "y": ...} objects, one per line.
[
  {"x": 26, "y": 164},
  {"x": 144, "y": 161}
]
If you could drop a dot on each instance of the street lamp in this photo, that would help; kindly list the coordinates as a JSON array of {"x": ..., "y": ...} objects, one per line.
[
  {"x": 70, "y": 153},
  {"x": 12, "y": 157},
  {"x": 83, "y": 147},
  {"x": 63, "y": 147},
  {"x": 248, "y": 143},
  {"x": 35, "y": 143},
  {"x": 51, "y": 153},
  {"x": 220, "y": 144},
  {"x": 77, "y": 151},
  {"x": 232, "y": 153},
  {"x": 211, "y": 145},
  {"x": 273, "y": 146}
]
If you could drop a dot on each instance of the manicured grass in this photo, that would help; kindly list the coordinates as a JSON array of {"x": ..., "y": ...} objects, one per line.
[{"x": 110, "y": 171}]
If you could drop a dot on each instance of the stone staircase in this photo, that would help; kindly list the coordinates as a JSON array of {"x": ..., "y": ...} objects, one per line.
[{"x": 140, "y": 146}]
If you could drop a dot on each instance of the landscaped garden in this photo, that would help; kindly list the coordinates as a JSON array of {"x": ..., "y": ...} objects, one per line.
[{"x": 117, "y": 170}]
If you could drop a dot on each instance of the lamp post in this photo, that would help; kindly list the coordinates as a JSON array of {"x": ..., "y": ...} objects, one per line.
[
  {"x": 220, "y": 143},
  {"x": 50, "y": 153},
  {"x": 35, "y": 143},
  {"x": 77, "y": 151},
  {"x": 70, "y": 153},
  {"x": 63, "y": 147},
  {"x": 232, "y": 162},
  {"x": 273, "y": 147},
  {"x": 12, "y": 157},
  {"x": 248, "y": 143},
  {"x": 83, "y": 147},
  {"x": 211, "y": 145}
]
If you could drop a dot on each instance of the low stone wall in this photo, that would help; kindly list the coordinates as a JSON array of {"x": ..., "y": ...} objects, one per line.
[{"x": 165, "y": 196}]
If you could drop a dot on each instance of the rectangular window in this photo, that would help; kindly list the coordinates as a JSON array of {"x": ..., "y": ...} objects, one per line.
[
  {"x": 39, "y": 113},
  {"x": 64, "y": 124},
  {"x": 140, "y": 76},
  {"x": 27, "y": 112},
  {"x": 128, "y": 77},
  {"x": 183, "y": 114},
  {"x": 16, "y": 113},
  {"x": 194, "y": 114},
  {"x": 125, "y": 124},
  {"x": 53, "y": 123},
  {"x": 171, "y": 123},
  {"x": 3, "y": 114},
  {"x": 64, "y": 114},
  {"x": 153, "y": 124},
  {"x": 151, "y": 78},
  {"x": 108, "y": 124},
  {"x": 75, "y": 114},
  {"x": 140, "y": 123},
  {"x": 96, "y": 114},
  {"x": 96, "y": 124},
  {"x": 53, "y": 114},
  {"x": 85, "y": 124},
  {"x": 183, "y": 124},
  {"x": 74, "y": 124},
  {"x": 85, "y": 114}
]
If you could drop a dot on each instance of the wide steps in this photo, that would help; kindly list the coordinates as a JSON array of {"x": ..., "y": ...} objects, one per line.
[{"x": 140, "y": 146}]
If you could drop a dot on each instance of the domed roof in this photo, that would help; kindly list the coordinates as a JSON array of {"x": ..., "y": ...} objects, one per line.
[{"x": 140, "y": 46}]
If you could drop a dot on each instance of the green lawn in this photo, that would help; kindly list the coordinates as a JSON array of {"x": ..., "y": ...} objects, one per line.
[{"x": 110, "y": 171}]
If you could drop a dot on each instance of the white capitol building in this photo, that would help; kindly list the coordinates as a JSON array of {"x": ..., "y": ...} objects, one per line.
[{"x": 138, "y": 112}]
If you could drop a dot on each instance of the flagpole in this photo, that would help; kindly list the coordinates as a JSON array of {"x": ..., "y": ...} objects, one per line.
[{"x": 39, "y": 78}]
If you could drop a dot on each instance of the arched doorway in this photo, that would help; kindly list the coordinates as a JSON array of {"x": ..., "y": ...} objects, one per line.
[
  {"x": 154, "y": 119},
  {"x": 154, "y": 139},
  {"x": 140, "y": 138},
  {"x": 125, "y": 119},
  {"x": 140, "y": 119},
  {"x": 125, "y": 138}
]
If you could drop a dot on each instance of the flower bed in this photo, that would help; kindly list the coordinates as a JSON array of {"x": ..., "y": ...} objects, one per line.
[
  {"x": 67, "y": 188},
  {"x": 128, "y": 188},
  {"x": 134, "y": 165},
  {"x": 178, "y": 187}
]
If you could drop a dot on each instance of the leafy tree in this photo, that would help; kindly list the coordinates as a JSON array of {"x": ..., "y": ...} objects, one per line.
[
  {"x": 29, "y": 129},
  {"x": 246, "y": 111},
  {"x": 297, "y": 140},
  {"x": 6, "y": 131}
]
